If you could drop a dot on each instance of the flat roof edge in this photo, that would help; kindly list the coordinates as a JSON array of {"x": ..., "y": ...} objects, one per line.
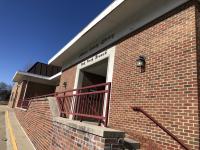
[
  {"x": 102, "y": 15},
  {"x": 36, "y": 76}
]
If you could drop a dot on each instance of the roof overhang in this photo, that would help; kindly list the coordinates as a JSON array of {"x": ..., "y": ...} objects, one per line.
[
  {"x": 21, "y": 76},
  {"x": 117, "y": 20}
]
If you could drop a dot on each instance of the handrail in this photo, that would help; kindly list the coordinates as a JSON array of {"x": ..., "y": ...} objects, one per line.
[
  {"x": 86, "y": 102},
  {"x": 138, "y": 109},
  {"x": 42, "y": 96},
  {"x": 85, "y": 87},
  {"x": 79, "y": 95},
  {"x": 71, "y": 90},
  {"x": 30, "y": 99}
]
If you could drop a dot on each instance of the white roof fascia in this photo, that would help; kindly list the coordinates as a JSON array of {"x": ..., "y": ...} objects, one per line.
[
  {"x": 102, "y": 15},
  {"x": 55, "y": 76},
  {"x": 31, "y": 75},
  {"x": 37, "y": 76},
  {"x": 15, "y": 75}
]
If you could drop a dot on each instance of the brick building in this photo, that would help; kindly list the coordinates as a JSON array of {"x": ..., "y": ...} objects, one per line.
[
  {"x": 39, "y": 79},
  {"x": 130, "y": 79}
]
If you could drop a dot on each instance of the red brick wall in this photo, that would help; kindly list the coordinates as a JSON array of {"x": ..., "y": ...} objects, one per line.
[
  {"x": 47, "y": 134},
  {"x": 37, "y": 123},
  {"x": 168, "y": 88},
  {"x": 32, "y": 89},
  {"x": 12, "y": 96},
  {"x": 69, "y": 77},
  {"x": 17, "y": 93},
  {"x": 67, "y": 138}
]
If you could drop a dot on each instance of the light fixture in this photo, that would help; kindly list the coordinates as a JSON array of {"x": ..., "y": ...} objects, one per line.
[
  {"x": 65, "y": 85},
  {"x": 140, "y": 62}
]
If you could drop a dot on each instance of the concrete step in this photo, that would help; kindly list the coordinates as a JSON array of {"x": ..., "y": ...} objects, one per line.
[{"x": 130, "y": 144}]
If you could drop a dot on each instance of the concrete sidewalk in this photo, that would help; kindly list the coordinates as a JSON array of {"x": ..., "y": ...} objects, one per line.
[
  {"x": 16, "y": 136},
  {"x": 3, "y": 137}
]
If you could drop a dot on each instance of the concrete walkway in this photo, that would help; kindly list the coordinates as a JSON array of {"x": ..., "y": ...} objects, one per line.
[
  {"x": 12, "y": 132},
  {"x": 3, "y": 137}
]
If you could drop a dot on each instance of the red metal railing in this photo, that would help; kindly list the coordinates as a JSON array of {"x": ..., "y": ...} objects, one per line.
[
  {"x": 89, "y": 103},
  {"x": 26, "y": 102},
  {"x": 138, "y": 109}
]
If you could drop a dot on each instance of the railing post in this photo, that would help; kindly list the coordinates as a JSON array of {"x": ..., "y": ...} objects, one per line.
[
  {"x": 75, "y": 102},
  {"x": 107, "y": 105},
  {"x": 21, "y": 103}
]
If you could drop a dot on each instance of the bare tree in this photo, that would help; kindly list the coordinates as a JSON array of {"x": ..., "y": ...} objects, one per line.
[
  {"x": 3, "y": 86},
  {"x": 5, "y": 91}
]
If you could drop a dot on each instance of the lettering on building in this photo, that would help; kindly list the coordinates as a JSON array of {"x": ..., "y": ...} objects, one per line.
[
  {"x": 94, "y": 58},
  {"x": 96, "y": 45}
]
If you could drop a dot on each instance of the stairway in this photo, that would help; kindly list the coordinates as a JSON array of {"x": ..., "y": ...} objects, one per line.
[{"x": 130, "y": 144}]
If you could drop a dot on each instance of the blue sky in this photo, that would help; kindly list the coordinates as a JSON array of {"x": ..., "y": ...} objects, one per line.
[{"x": 34, "y": 30}]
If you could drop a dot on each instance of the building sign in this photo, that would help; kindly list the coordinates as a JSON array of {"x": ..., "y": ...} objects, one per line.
[
  {"x": 91, "y": 50},
  {"x": 94, "y": 58},
  {"x": 96, "y": 45}
]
